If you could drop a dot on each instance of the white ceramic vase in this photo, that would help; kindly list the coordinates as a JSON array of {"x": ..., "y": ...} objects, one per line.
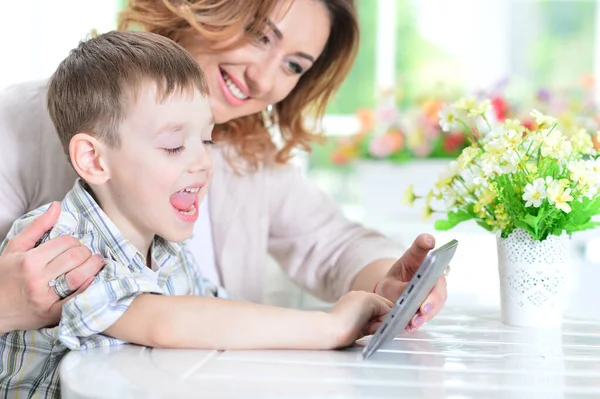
[{"x": 535, "y": 279}]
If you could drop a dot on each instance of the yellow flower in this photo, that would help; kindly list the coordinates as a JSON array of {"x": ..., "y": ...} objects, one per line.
[
  {"x": 582, "y": 142},
  {"x": 466, "y": 103},
  {"x": 427, "y": 212},
  {"x": 490, "y": 222},
  {"x": 501, "y": 216},
  {"x": 531, "y": 168},
  {"x": 479, "y": 209},
  {"x": 487, "y": 196},
  {"x": 514, "y": 124},
  {"x": 471, "y": 105},
  {"x": 543, "y": 120},
  {"x": 444, "y": 182},
  {"x": 480, "y": 108},
  {"x": 466, "y": 157},
  {"x": 559, "y": 197},
  {"x": 409, "y": 196},
  {"x": 513, "y": 138}
]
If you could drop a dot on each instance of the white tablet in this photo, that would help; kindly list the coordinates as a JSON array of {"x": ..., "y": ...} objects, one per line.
[{"x": 407, "y": 305}]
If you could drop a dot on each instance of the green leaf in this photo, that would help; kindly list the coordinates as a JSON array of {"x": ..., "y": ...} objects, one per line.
[
  {"x": 454, "y": 218},
  {"x": 484, "y": 225},
  {"x": 533, "y": 230}
]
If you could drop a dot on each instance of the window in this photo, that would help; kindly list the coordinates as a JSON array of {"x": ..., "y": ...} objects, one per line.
[{"x": 473, "y": 45}]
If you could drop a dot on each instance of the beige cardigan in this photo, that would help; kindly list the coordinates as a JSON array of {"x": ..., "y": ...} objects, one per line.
[{"x": 273, "y": 211}]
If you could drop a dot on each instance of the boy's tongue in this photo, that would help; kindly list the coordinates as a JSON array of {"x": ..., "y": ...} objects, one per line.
[{"x": 183, "y": 201}]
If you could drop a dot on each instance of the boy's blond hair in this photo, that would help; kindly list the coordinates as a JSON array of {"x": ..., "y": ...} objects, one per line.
[{"x": 95, "y": 86}]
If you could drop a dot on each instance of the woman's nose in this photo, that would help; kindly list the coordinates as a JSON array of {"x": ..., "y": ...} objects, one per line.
[{"x": 261, "y": 76}]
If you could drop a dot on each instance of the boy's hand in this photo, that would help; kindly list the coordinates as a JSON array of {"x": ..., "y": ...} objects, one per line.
[{"x": 356, "y": 315}]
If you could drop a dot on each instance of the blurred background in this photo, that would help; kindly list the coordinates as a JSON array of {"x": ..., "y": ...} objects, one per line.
[{"x": 414, "y": 55}]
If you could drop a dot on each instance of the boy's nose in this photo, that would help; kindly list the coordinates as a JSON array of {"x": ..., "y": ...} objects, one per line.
[{"x": 203, "y": 160}]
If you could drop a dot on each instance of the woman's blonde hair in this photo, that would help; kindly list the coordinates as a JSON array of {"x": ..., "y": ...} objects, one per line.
[{"x": 222, "y": 20}]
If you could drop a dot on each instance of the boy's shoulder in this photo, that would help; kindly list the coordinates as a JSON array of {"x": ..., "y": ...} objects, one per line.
[{"x": 71, "y": 222}]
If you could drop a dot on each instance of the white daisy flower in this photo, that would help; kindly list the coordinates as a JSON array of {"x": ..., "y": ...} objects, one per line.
[
  {"x": 448, "y": 118},
  {"x": 535, "y": 193}
]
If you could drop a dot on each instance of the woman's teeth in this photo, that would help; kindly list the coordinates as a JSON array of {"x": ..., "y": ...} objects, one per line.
[{"x": 237, "y": 93}]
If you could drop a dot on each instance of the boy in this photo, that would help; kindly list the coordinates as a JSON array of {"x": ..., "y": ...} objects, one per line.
[{"x": 132, "y": 112}]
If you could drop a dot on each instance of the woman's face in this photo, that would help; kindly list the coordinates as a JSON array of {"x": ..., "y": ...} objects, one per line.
[{"x": 245, "y": 80}]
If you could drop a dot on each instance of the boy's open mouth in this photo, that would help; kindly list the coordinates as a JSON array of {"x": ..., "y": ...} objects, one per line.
[{"x": 186, "y": 202}]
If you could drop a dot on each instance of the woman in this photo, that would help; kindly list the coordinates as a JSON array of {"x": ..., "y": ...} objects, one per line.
[{"x": 293, "y": 56}]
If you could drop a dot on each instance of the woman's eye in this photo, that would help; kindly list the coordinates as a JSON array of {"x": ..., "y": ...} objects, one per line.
[
  {"x": 295, "y": 68},
  {"x": 263, "y": 39},
  {"x": 173, "y": 151},
  {"x": 259, "y": 37}
]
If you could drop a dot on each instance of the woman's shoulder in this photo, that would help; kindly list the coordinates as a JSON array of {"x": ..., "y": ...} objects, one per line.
[
  {"x": 23, "y": 109},
  {"x": 23, "y": 96}
]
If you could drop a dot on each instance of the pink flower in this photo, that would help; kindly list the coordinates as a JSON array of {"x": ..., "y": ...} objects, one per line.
[
  {"x": 423, "y": 150},
  {"x": 383, "y": 146},
  {"x": 339, "y": 158},
  {"x": 387, "y": 115},
  {"x": 501, "y": 108}
]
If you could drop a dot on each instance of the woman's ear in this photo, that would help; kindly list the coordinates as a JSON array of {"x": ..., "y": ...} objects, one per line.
[{"x": 86, "y": 154}]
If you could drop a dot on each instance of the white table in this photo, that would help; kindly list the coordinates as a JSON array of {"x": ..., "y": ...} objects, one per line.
[{"x": 461, "y": 354}]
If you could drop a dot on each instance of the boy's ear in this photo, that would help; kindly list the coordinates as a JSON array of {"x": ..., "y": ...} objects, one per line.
[{"x": 87, "y": 158}]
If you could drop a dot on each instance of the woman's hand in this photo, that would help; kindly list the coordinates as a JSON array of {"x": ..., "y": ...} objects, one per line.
[
  {"x": 26, "y": 299},
  {"x": 356, "y": 315},
  {"x": 397, "y": 277}
]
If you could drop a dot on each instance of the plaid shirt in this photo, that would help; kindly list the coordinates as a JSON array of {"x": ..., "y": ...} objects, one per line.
[{"x": 30, "y": 359}]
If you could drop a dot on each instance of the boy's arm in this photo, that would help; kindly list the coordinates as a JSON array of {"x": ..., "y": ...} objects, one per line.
[{"x": 214, "y": 323}]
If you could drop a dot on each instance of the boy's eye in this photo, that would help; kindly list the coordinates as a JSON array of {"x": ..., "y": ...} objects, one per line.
[
  {"x": 173, "y": 151},
  {"x": 208, "y": 142}
]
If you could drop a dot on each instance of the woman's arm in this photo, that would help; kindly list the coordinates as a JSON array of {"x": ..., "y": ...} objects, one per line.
[
  {"x": 214, "y": 323},
  {"x": 323, "y": 251},
  {"x": 316, "y": 245},
  {"x": 26, "y": 300}
]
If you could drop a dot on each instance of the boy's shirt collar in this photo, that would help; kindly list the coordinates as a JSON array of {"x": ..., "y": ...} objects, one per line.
[{"x": 121, "y": 248}]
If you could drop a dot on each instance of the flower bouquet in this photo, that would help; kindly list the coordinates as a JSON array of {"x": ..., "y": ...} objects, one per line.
[
  {"x": 533, "y": 186},
  {"x": 400, "y": 131}
]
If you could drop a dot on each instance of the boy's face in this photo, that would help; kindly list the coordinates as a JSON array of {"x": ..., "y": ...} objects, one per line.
[{"x": 161, "y": 171}]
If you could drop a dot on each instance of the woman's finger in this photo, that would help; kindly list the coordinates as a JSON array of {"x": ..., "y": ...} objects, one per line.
[
  {"x": 382, "y": 306},
  {"x": 79, "y": 278},
  {"x": 432, "y": 305},
  {"x": 410, "y": 261},
  {"x": 26, "y": 239},
  {"x": 49, "y": 250},
  {"x": 392, "y": 288},
  {"x": 66, "y": 261}
]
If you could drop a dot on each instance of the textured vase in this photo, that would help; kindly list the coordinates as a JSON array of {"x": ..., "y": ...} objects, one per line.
[{"x": 535, "y": 279}]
